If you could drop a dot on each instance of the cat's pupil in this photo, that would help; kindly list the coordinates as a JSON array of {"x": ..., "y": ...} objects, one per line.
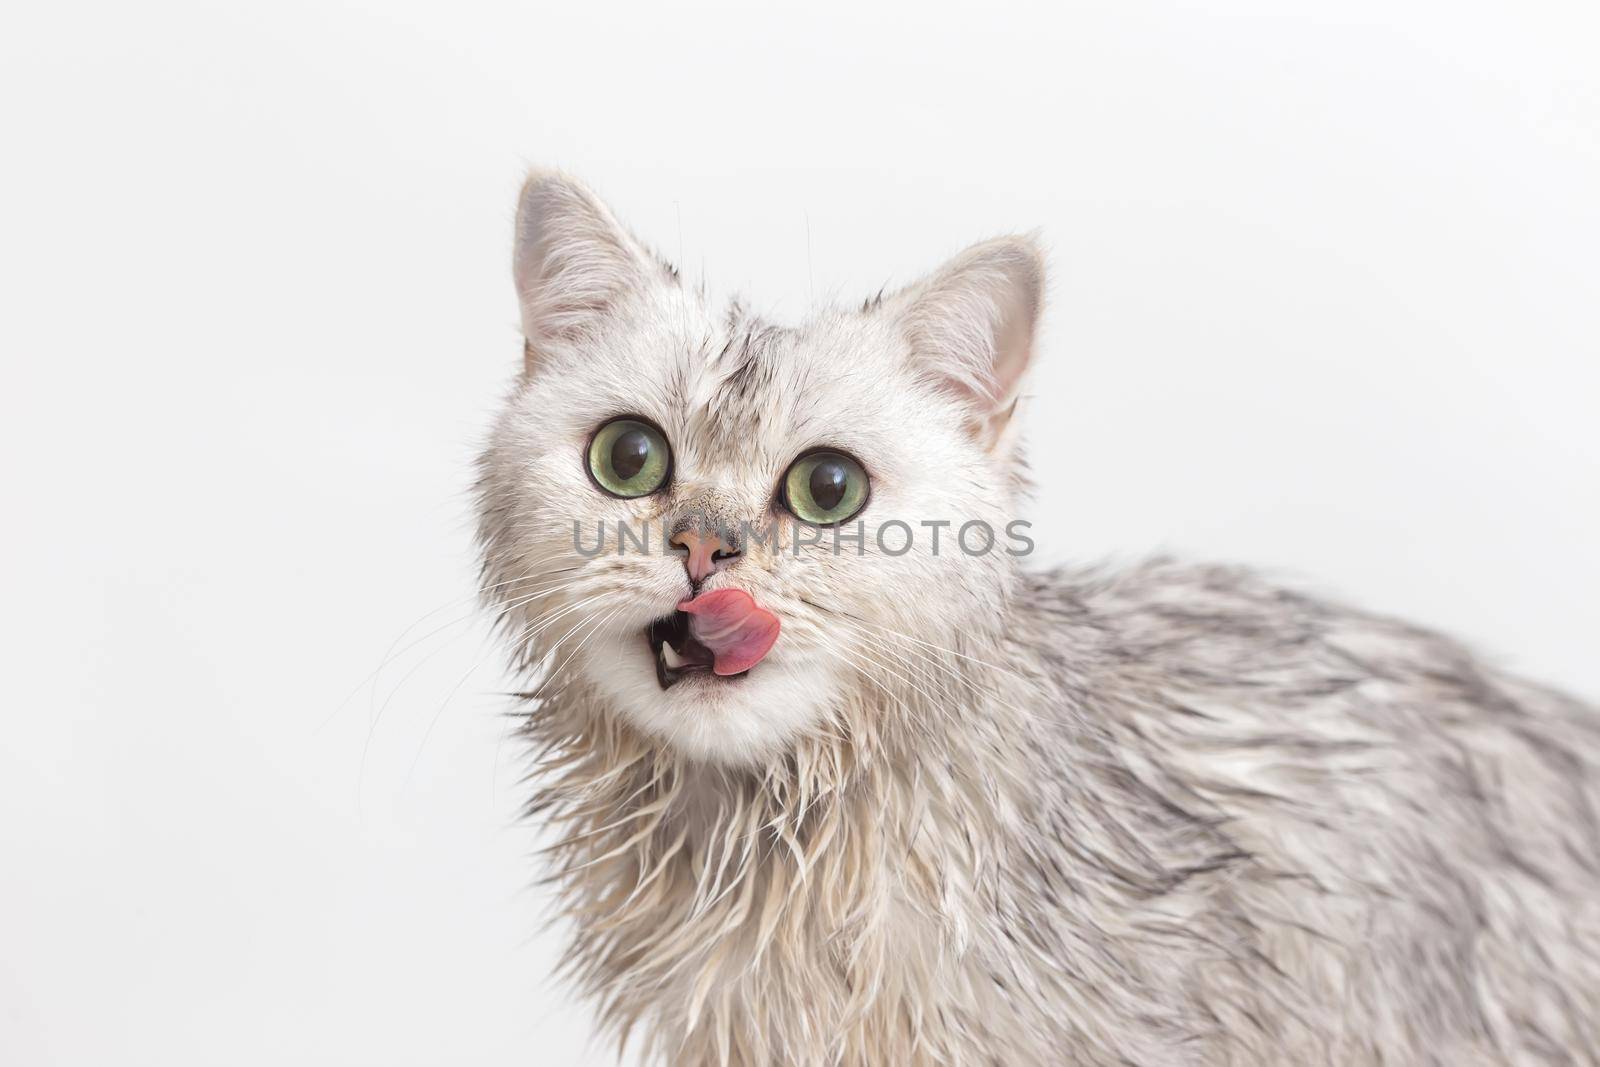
[
  {"x": 828, "y": 480},
  {"x": 628, "y": 454}
]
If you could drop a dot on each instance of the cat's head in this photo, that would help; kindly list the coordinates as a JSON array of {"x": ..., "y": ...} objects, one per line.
[{"x": 642, "y": 414}]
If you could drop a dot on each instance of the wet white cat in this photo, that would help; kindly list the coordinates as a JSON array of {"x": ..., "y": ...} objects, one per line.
[{"x": 873, "y": 803}]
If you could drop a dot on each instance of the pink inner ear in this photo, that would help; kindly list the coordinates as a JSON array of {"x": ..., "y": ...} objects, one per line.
[
  {"x": 1013, "y": 351},
  {"x": 738, "y": 631}
]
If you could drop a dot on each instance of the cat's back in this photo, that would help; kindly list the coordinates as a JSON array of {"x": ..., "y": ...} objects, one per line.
[
  {"x": 1227, "y": 646},
  {"x": 1414, "y": 839}
]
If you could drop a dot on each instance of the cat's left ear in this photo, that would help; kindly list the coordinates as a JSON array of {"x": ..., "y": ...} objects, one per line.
[
  {"x": 574, "y": 264},
  {"x": 971, "y": 326}
]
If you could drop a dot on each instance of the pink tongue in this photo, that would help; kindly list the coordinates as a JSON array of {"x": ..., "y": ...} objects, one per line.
[{"x": 736, "y": 629}]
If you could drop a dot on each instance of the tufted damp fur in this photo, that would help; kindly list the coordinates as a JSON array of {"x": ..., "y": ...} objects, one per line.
[{"x": 965, "y": 813}]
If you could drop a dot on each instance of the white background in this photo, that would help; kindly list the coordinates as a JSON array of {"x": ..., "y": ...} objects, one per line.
[{"x": 1326, "y": 298}]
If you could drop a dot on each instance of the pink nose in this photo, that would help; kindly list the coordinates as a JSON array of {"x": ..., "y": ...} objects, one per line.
[{"x": 701, "y": 553}]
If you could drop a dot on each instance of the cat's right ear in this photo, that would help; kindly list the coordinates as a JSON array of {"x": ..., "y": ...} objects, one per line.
[
  {"x": 573, "y": 262},
  {"x": 971, "y": 326}
]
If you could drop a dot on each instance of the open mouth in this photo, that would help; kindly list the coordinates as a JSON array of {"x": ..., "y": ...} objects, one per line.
[
  {"x": 723, "y": 632},
  {"x": 677, "y": 652}
]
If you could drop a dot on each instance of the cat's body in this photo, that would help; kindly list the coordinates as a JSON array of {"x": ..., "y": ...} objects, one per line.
[{"x": 964, "y": 814}]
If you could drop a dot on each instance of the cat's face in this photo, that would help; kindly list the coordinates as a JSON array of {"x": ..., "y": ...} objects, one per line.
[{"x": 902, "y": 388}]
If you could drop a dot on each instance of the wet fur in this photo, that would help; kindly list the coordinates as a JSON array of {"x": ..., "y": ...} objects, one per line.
[{"x": 970, "y": 814}]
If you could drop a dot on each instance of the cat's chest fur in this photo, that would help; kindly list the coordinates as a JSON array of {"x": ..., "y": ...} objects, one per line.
[{"x": 748, "y": 922}]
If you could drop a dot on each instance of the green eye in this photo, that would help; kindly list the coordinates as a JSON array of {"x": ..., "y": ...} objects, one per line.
[
  {"x": 825, "y": 488},
  {"x": 629, "y": 458}
]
